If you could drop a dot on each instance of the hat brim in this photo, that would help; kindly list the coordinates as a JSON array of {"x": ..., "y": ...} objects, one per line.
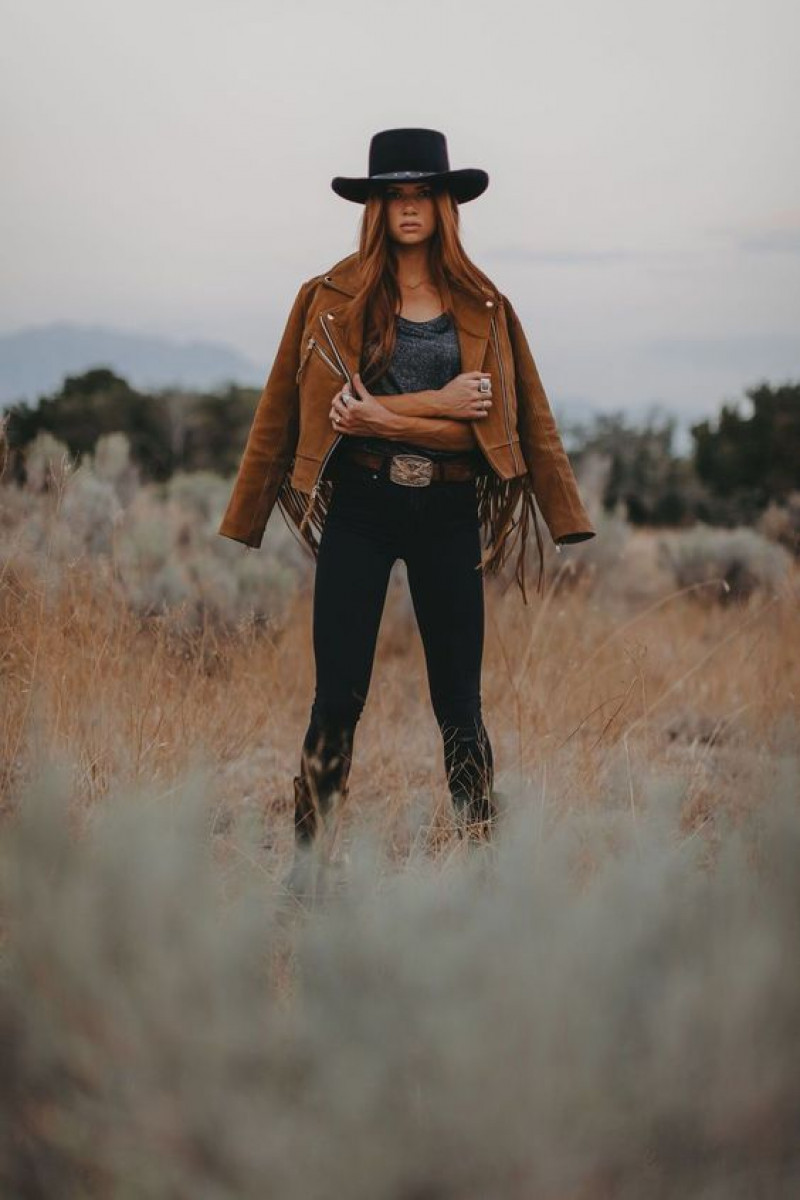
[{"x": 466, "y": 183}]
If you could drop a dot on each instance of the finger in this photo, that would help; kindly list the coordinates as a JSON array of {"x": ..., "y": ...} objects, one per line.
[{"x": 340, "y": 411}]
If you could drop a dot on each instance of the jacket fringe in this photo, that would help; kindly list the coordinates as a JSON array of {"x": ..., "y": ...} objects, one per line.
[{"x": 502, "y": 527}]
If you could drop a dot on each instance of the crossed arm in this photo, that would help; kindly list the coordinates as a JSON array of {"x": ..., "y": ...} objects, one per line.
[
  {"x": 409, "y": 417},
  {"x": 416, "y": 421}
]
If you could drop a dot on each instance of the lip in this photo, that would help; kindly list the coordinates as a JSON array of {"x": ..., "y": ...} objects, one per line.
[{"x": 410, "y": 225}]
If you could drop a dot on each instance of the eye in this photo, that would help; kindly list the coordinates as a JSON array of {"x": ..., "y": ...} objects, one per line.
[{"x": 394, "y": 194}]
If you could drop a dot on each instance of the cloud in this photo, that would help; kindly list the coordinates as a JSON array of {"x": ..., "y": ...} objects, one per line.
[
  {"x": 778, "y": 233},
  {"x": 772, "y": 241}
]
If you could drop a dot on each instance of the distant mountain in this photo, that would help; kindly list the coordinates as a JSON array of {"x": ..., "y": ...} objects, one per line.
[{"x": 35, "y": 360}]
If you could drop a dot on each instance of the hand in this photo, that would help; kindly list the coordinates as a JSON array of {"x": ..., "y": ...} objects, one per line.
[
  {"x": 461, "y": 399},
  {"x": 361, "y": 414}
]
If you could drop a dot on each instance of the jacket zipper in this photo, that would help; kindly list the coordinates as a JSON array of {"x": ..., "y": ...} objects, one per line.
[
  {"x": 313, "y": 344},
  {"x": 503, "y": 389},
  {"x": 335, "y": 350},
  {"x": 303, "y": 359},
  {"x": 316, "y": 346},
  {"x": 339, "y": 436}
]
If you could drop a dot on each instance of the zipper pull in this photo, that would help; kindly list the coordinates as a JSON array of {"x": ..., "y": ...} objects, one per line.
[{"x": 304, "y": 358}]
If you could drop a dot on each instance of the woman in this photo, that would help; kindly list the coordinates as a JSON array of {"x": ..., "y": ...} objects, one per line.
[{"x": 404, "y": 416}]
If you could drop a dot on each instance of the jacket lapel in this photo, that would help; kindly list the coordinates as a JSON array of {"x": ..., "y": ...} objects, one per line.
[{"x": 473, "y": 322}]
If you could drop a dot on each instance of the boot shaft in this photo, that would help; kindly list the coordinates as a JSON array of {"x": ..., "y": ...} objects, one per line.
[{"x": 315, "y": 813}]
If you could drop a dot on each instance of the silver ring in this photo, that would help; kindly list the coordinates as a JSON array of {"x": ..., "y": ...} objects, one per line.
[{"x": 484, "y": 385}]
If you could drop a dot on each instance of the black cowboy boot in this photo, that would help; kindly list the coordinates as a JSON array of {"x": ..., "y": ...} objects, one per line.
[
  {"x": 306, "y": 819},
  {"x": 315, "y": 827},
  {"x": 476, "y": 817},
  {"x": 470, "y": 776}
]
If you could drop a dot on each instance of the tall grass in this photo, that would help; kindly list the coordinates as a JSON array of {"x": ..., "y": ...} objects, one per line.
[
  {"x": 603, "y": 1003},
  {"x": 594, "y": 1006}
]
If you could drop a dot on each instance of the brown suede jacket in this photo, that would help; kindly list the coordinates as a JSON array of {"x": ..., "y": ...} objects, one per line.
[{"x": 291, "y": 438}]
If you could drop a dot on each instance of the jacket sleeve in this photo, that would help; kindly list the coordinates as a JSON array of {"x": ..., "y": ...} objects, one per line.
[
  {"x": 552, "y": 477},
  {"x": 272, "y": 439}
]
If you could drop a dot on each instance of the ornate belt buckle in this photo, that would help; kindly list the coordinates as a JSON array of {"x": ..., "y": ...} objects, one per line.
[{"x": 412, "y": 470}]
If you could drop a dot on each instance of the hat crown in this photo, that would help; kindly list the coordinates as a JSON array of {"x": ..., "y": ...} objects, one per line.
[{"x": 404, "y": 151}]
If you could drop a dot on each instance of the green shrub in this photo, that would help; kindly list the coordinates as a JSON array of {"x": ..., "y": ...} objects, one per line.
[
  {"x": 161, "y": 539},
  {"x": 733, "y": 563}
]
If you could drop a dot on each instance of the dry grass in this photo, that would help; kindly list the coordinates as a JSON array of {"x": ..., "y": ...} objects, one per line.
[
  {"x": 601, "y": 1007},
  {"x": 569, "y": 686}
]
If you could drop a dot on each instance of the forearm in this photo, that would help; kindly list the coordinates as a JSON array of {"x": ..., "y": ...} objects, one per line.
[
  {"x": 413, "y": 404},
  {"x": 435, "y": 433}
]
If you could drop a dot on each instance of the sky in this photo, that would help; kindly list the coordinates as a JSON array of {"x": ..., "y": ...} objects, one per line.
[{"x": 168, "y": 171}]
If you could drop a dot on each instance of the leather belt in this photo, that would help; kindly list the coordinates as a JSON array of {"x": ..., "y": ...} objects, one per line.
[{"x": 414, "y": 470}]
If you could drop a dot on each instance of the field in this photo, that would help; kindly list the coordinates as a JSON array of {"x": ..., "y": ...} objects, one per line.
[{"x": 602, "y": 1003}]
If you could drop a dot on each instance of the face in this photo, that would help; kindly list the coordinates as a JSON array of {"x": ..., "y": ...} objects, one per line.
[{"x": 410, "y": 212}]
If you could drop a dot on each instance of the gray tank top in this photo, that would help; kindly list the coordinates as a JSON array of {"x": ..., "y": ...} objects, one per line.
[{"x": 426, "y": 357}]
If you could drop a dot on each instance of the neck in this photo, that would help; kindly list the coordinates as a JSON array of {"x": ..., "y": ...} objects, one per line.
[{"x": 412, "y": 263}]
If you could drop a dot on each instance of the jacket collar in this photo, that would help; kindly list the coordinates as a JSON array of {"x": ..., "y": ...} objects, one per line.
[{"x": 472, "y": 316}]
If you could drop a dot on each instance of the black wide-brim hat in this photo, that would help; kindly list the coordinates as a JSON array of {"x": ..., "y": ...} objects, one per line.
[{"x": 406, "y": 156}]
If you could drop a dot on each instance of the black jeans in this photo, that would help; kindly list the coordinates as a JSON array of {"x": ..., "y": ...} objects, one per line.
[{"x": 370, "y": 523}]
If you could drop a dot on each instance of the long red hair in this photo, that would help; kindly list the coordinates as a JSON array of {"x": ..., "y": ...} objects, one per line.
[
  {"x": 506, "y": 507},
  {"x": 378, "y": 298}
]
